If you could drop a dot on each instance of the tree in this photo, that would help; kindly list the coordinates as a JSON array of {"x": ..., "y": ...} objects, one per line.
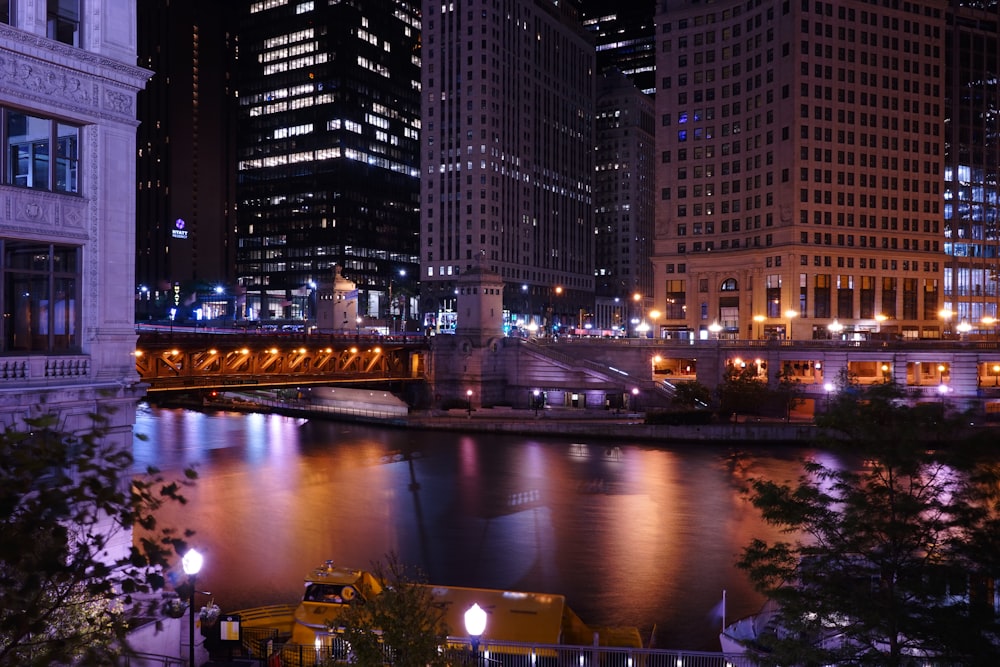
[
  {"x": 742, "y": 390},
  {"x": 402, "y": 619},
  {"x": 691, "y": 395},
  {"x": 68, "y": 569},
  {"x": 789, "y": 391},
  {"x": 890, "y": 558}
]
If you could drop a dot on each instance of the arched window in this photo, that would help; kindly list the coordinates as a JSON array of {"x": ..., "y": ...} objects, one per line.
[{"x": 730, "y": 285}]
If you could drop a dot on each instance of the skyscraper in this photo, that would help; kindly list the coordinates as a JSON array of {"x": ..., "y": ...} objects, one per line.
[
  {"x": 186, "y": 168},
  {"x": 625, "y": 39},
  {"x": 972, "y": 157},
  {"x": 329, "y": 99},
  {"x": 624, "y": 183},
  {"x": 508, "y": 157},
  {"x": 802, "y": 163}
]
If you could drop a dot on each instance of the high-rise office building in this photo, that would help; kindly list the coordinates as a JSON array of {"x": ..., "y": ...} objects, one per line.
[
  {"x": 508, "y": 158},
  {"x": 67, "y": 218},
  {"x": 625, "y": 39},
  {"x": 972, "y": 157},
  {"x": 186, "y": 159},
  {"x": 801, "y": 177},
  {"x": 328, "y": 161},
  {"x": 624, "y": 184}
]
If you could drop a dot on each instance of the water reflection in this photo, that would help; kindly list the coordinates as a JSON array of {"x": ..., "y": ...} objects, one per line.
[{"x": 631, "y": 534}]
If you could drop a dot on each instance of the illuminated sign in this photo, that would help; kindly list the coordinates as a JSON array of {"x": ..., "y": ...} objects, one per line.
[{"x": 179, "y": 231}]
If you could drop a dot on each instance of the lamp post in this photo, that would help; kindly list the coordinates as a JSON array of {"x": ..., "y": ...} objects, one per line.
[
  {"x": 828, "y": 387},
  {"x": 990, "y": 321},
  {"x": 191, "y": 562},
  {"x": 637, "y": 309},
  {"x": 715, "y": 328},
  {"x": 759, "y": 319},
  {"x": 945, "y": 314},
  {"x": 475, "y": 625},
  {"x": 879, "y": 319},
  {"x": 635, "y": 399},
  {"x": 835, "y": 328},
  {"x": 996, "y": 375},
  {"x": 791, "y": 315},
  {"x": 534, "y": 400},
  {"x": 963, "y": 329},
  {"x": 468, "y": 396}
]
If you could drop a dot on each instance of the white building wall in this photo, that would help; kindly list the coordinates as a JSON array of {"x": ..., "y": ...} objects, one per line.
[{"x": 94, "y": 86}]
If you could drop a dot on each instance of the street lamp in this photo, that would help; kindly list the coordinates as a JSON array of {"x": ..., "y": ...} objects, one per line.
[
  {"x": 791, "y": 315},
  {"x": 759, "y": 319},
  {"x": 828, "y": 387},
  {"x": 535, "y": 397},
  {"x": 357, "y": 323},
  {"x": 468, "y": 396},
  {"x": 635, "y": 300},
  {"x": 635, "y": 399},
  {"x": 191, "y": 562},
  {"x": 715, "y": 328},
  {"x": 990, "y": 322},
  {"x": 963, "y": 329},
  {"x": 945, "y": 314},
  {"x": 475, "y": 625},
  {"x": 996, "y": 375},
  {"x": 835, "y": 328}
]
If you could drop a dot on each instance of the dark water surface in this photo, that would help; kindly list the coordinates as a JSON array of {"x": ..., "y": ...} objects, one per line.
[{"x": 632, "y": 534}]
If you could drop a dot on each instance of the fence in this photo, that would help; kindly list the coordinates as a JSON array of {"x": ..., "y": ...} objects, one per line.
[{"x": 501, "y": 654}]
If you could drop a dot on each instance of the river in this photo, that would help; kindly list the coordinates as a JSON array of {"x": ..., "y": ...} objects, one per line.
[{"x": 631, "y": 533}]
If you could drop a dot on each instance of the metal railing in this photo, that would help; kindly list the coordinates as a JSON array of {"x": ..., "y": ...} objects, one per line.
[
  {"x": 151, "y": 660},
  {"x": 511, "y": 654}
]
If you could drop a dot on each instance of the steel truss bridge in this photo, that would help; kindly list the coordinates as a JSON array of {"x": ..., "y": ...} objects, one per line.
[{"x": 171, "y": 360}]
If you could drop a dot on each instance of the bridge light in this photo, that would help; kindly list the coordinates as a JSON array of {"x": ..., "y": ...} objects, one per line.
[
  {"x": 328, "y": 350},
  {"x": 244, "y": 351},
  {"x": 354, "y": 350},
  {"x": 174, "y": 352},
  {"x": 138, "y": 353},
  {"x": 273, "y": 350},
  {"x": 213, "y": 351},
  {"x": 378, "y": 350},
  {"x": 302, "y": 350}
]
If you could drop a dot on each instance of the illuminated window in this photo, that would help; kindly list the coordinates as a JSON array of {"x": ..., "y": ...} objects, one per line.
[
  {"x": 40, "y": 283},
  {"x": 41, "y": 152}
]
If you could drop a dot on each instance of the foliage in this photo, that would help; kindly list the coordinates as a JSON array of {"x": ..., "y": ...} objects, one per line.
[
  {"x": 402, "y": 619},
  {"x": 789, "y": 391},
  {"x": 210, "y": 613},
  {"x": 68, "y": 567},
  {"x": 742, "y": 391},
  {"x": 891, "y": 556},
  {"x": 691, "y": 395}
]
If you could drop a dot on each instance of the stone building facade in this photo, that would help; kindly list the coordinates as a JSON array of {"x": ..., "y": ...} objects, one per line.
[{"x": 68, "y": 86}]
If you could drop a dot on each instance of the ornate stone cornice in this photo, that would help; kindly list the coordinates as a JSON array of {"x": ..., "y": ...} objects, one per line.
[{"x": 65, "y": 78}]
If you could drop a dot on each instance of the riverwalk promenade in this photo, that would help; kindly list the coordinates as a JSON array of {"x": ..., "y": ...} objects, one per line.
[{"x": 607, "y": 425}]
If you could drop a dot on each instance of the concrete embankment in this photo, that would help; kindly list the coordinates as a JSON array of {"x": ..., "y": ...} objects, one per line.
[
  {"x": 614, "y": 428},
  {"x": 548, "y": 422}
]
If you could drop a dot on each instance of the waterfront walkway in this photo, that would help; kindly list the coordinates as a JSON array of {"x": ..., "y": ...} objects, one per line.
[{"x": 607, "y": 425}]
